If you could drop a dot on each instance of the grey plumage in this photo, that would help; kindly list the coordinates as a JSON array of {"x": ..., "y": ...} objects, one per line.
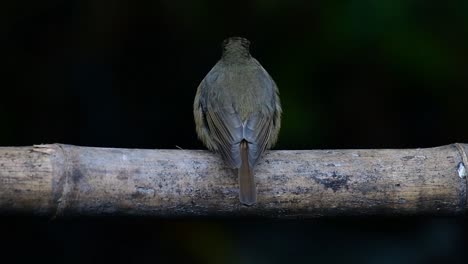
[{"x": 238, "y": 102}]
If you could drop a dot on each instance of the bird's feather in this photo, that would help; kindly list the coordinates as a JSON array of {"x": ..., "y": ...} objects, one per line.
[{"x": 224, "y": 124}]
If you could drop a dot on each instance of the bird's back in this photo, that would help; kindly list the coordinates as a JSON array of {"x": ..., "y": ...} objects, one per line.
[
  {"x": 247, "y": 88},
  {"x": 240, "y": 101}
]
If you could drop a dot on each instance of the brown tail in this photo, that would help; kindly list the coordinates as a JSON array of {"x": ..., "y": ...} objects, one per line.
[{"x": 248, "y": 192}]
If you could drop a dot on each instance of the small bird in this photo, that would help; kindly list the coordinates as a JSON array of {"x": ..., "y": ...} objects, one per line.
[{"x": 237, "y": 112}]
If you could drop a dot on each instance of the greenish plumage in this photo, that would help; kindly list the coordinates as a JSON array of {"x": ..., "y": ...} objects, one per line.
[{"x": 238, "y": 112}]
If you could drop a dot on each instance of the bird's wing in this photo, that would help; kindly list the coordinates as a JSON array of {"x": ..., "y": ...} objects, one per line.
[
  {"x": 261, "y": 128},
  {"x": 226, "y": 129},
  {"x": 256, "y": 131}
]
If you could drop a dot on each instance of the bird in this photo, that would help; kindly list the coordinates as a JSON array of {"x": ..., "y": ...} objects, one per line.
[{"x": 237, "y": 112}]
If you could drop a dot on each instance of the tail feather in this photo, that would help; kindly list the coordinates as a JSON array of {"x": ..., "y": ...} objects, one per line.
[{"x": 248, "y": 192}]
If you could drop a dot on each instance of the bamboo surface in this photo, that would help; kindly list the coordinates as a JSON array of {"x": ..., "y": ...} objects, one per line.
[{"x": 57, "y": 180}]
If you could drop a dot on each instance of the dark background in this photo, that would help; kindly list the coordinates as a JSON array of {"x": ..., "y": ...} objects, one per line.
[{"x": 352, "y": 74}]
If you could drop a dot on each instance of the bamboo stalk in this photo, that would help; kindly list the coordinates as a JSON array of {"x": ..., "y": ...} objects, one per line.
[{"x": 58, "y": 180}]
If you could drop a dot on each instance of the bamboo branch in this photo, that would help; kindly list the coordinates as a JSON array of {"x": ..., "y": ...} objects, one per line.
[{"x": 69, "y": 180}]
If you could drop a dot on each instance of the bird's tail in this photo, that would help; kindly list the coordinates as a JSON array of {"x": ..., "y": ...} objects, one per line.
[{"x": 248, "y": 192}]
